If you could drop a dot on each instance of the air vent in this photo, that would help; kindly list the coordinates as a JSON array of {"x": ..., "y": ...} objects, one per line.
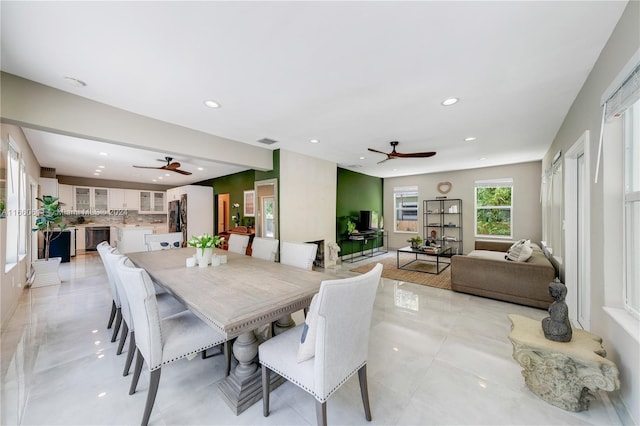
[
  {"x": 267, "y": 141},
  {"x": 47, "y": 172}
]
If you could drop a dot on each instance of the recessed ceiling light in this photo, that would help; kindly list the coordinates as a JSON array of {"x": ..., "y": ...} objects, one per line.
[
  {"x": 101, "y": 167},
  {"x": 450, "y": 101},
  {"x": 212, "y": 104},
  {"x": 482, "y": 158},
  {"x": 104, "y": 154},
  {"x": 75, "y": 82},
  {"x": 153, "y": 180},
  {"x": 200, "y": 168},
  {"x": 470, "y": 139},
  {"x": 159, "y": 177},
  {"x": 362, "y": 158},
  {"x": 98, "y": 170},
  {"x": 314, "y": 141},
  {"x": 167, "y": 174},
  {"x": 96, "y": 174}
]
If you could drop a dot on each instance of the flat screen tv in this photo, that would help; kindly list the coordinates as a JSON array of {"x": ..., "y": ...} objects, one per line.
[{"x": 368, "y": 220}]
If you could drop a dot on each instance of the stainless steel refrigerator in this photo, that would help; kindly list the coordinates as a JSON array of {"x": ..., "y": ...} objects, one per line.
[{"x": 177, "y": 219}]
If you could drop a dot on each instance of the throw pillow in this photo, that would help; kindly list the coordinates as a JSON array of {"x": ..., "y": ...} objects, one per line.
[
  {"x": 307, "y": 349},
  {"x": 520, "y": 251}
]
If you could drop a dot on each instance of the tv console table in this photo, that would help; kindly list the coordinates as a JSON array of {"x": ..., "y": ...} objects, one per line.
[{"x": 378, "y": 239}]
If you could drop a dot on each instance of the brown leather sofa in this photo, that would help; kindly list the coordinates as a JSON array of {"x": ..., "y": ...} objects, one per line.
[{"x": 485, "y": 272}]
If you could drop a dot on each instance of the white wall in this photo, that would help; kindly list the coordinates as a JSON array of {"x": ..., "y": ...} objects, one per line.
[
  {"x": 586, "y": 114},
  {"x": 307, "y": 199},
  {"x": 12, "y": 282},
  {"x": 526, "y": 214}
]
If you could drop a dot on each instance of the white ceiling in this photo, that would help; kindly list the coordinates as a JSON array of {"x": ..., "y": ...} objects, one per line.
[{"x": 351, "y": 74}]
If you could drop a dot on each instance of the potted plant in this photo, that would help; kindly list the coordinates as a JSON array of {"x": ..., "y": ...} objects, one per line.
[
  {"x": 236, "y": 216},
  {"x": 49, "y": 218},
  {"x": 206, "y": 243},
  {"x": 415, "y": 241}
]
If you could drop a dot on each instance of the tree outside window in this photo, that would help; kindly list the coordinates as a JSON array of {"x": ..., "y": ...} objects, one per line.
[{"x": 493, "y": 208}]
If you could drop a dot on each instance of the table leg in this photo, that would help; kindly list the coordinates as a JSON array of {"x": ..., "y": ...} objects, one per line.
[
  {"x": 243, "y": 387},
  {"x": 283, "y": 324}
]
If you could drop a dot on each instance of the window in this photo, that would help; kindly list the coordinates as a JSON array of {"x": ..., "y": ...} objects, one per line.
[
  {"x": 493, "y": 203},
  {"x": 22, "y": 202},
  {"x": 405, "y": 209},
  {"x": 632, "y": 209},
  {"x": 12, "y": 205}
]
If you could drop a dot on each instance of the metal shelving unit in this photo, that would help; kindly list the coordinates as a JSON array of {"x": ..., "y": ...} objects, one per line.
[{"x": 443, "y": 223}]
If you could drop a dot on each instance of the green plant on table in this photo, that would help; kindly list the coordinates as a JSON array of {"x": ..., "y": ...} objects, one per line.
[
  {"x": 205, "y": 241},
  {"x": 415, "y": 241}
]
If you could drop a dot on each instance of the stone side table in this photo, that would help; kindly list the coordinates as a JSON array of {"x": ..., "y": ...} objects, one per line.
[{"x": 563, "y": 374}]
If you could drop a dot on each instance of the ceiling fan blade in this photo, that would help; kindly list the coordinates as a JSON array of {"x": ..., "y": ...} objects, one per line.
[
  {"x": 148, "y": 167},
  {"x": 375, "y": 150},
  {"x": 413, "y": 155},
  {"x": 386, "y": 159},
  {"x": 182, "y": 172},
  {"x": 172, "y": 166}
]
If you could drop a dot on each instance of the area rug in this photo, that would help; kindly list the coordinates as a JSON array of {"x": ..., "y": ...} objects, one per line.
[{"x": 389, "y": 270}]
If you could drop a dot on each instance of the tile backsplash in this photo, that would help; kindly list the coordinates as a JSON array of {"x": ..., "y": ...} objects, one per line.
[{"x": 117, "y": 217}]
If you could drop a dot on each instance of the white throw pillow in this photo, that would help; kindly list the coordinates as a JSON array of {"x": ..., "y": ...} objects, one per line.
[
  {"x": 520, "y": 251},
  {"x": 307, "y": 349}
]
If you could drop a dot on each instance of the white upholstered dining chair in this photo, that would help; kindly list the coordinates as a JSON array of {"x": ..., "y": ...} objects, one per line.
[
  {"x": 167, "y": 306},
  {"x": 238, "y": 243},
  {"x": 116, "y": 312},
  {"x": 331, "y": 346},
  {"x": 165, "y": 241},
  {"x": 160, "y": 341},
  {"x": 264, "y": 248},
  {"x": 300, "y": 255}
]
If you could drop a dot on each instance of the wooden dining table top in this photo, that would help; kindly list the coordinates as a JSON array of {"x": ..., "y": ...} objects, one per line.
[{"x": 237, "y": 296}]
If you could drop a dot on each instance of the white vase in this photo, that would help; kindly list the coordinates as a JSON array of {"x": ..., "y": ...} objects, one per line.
[
  {"x": 46, "y": 272},
  {"x": 204, "y": 256}
]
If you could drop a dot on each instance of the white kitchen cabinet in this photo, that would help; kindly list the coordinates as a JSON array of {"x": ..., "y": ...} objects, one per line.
[
  {"x": 80, "y": 239},
  {"x": 132, "y": 199},
  {"x": 113, "y": 236},
  {"x": 152, "y": 202},
  {"x": 90, "y": 199},
  {"x": 124, "y": 199},
  {"x": 65, "y": 196}
]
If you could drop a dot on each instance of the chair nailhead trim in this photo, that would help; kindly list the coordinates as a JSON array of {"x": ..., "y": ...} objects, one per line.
[
  {"x": 316, "y": 396},
  {"x": 204, "y": 348}
]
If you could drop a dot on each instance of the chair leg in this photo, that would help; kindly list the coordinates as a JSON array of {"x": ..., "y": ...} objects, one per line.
[
  {"x": 113, "y": 314},
  {"x": 151, "y": 395},
  {"x": 116, "y": 328},
  {"x": 123, "y": 337},
  {"x": 364, "y": 391},
  {"x": 136, "y": 373},
  {"x": 130, "y": 352},
  {"x": 321, "y": 413},
  {"x": 265, "y": 391}
]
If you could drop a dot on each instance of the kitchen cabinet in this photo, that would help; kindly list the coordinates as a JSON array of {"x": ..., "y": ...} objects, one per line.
[
  {"x": 65, "y": 196},
  {"x": 91, "y": 200},
  {"x": 80, "y": 239},
  {"x": 152, "y": 202},
  {"x": 124, "y": 199},
  {"x": 199, "y": 209}
]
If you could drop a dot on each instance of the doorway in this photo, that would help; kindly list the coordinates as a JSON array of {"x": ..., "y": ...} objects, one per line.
[
  {"x": 576, "y": 233},
  {"x": 267, "y": 208},
  {"x": 223, "y": 213}
]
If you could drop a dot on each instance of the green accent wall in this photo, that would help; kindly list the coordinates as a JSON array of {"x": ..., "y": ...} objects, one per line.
[
  {"x": 355, "y": 192},
  {"x": 237, "y": 183}
]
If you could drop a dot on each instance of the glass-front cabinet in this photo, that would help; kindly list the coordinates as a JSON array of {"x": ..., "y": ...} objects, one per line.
[
  {"x": 152, "y": 202},
  {"x": 88, "y": 200}
]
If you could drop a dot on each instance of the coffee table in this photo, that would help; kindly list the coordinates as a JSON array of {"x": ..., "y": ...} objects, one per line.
[{"x": 434, "y": 256}]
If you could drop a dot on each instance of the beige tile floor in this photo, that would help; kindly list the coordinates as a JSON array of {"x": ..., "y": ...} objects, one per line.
[{"x": 435, "y": 358}]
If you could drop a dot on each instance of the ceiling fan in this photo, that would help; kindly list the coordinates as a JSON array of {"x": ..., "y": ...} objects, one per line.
[
  {"x": 170, "y": 166},
  {"x": 393, "y": 154}
]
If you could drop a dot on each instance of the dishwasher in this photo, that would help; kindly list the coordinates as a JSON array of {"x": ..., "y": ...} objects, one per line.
[{"x": 94, "y": 235}]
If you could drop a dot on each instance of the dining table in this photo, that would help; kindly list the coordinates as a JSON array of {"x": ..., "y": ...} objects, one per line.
[{"x": 236, "y": 298}]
